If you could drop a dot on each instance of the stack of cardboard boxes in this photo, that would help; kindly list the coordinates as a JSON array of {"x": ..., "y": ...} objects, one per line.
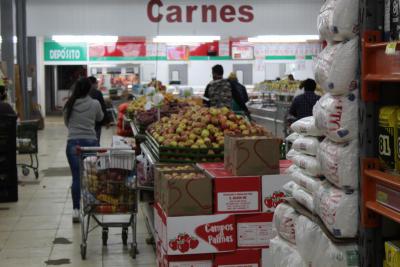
[{"x": 216, "y": 214}]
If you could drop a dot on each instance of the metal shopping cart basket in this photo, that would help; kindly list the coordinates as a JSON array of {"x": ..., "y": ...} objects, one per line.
[
  {"x": 27, "y": 144},
  {"x": 106, "y": 189}
]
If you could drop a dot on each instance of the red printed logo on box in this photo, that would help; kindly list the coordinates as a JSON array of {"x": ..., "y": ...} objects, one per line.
[
  {"x": 271, "y": 202},
  {"x": 221, "y": 235},
  {"x": 183, "y": 243}
]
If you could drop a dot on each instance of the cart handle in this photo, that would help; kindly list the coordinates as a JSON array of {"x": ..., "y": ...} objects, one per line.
[{"x": 80, "y": 149}]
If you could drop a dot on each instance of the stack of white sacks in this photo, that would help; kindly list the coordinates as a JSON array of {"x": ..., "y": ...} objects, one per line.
[{"x": 325, "y": 154}]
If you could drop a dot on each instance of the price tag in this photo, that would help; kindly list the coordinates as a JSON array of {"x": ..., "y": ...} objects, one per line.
[{"x": 391, "y": 48}]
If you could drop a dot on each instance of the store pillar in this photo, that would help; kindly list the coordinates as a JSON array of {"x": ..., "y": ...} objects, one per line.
[
  {"x": 7, "y": 45},
  {"x": 22, "y": 57}
]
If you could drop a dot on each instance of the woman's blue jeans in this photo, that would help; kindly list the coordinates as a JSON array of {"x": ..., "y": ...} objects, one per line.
[{"x": 74, "y": 163}]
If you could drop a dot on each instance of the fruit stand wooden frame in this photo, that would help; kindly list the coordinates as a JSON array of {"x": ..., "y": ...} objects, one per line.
[{"x": 188, "y": 155}]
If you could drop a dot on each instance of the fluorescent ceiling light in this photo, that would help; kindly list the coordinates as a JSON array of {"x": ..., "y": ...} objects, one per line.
[
  {"x": 15, "y": 40},
  {"x": 185, "y": 39},
  {"x": 283, "y": 38},
  {"x": 84, "y": 39}
]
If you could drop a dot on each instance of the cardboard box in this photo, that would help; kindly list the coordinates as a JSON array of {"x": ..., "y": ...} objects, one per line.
[
  {"x": 254, "y": 230},
  {"x": 186, "y": 195},
  {"x": 201, "y": 260},
  {"x": 239, "y": 258},
  {"x": 388, "y": 197},
  {"x": 246, "y": 156},
  {"x": 235, "y": 194},
  {"x": 392, "y": 253},
  {"x": 272, "y": 191},
  {"x": 210, "y": 166},
  {"x": 191, "y": 235},
  {"x": 157, "y": 176},
  {"x": 266, "y": 260}
]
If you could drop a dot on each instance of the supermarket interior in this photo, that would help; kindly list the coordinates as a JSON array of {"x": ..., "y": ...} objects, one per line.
[{"x": 200, "y": 133}]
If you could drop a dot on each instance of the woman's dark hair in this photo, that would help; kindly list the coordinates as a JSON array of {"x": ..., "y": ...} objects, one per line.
[
  {"x": 3, "y": 93},
  {"x": 93, "y": 79},
  {"x": 81, "y": 90}
]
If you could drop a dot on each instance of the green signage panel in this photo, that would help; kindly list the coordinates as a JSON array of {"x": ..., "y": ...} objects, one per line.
[{"x": 65, "y": 52}]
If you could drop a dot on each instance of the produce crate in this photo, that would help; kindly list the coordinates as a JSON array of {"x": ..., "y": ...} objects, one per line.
[{"x": 183, "y": 155}]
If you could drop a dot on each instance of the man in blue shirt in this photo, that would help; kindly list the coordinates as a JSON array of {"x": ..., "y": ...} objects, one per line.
[{"x": 302, "y": 105}]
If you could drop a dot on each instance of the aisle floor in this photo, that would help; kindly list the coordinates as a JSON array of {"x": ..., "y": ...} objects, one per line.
[{"x": 29, "y": 227}]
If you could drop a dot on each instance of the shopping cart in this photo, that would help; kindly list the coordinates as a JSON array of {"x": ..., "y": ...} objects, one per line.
[
  {"x": 27, "y": 144},
  {"x": 106, "y": 189}
]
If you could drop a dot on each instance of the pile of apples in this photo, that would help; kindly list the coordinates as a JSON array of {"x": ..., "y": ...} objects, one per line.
[{"x": 201, "y": 128}]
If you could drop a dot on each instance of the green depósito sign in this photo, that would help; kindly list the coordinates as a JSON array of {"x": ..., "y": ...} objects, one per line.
[{"x": 65, "y": 52}]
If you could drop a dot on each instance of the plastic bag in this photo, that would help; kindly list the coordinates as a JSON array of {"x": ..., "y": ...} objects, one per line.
[
  {"x": 304, "y": 198},
  {"x": 311, "y": 184},
  {"x": 317, "y": 250},
  {"x": 284, "y": 254},
  {"x": 289, "y": 188},
  {"x": 338, "y": 20},
  {"x": 293, "y": 168},
  {"x": 306, "y": 126},
  {"x": 292, "y": 154},
  {"x": 285, "y": 219},
  {"x": 292, "y": 137},
  {"x": 308, "y": 236},
  {"x": 338, "y": 210},
  {"x": 339, "y": 163},
  {"x": 307, "y": 145},
  {"x": 335, "y": 68},
  {"x": 308, "y": 164},
  {"x": 337, "y": 117}
]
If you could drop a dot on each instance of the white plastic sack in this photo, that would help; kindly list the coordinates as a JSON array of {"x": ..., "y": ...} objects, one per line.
[
  {"x": 309, "y": 237},
  {"x": 289, "y": 188},
  {"x": 308, "y": 164},
  {"x": 285, "y": 219},
  {"x": 292, "y": 137},
  {"x": 304, "y": 198},
  {"x": 335, "y": 68},
  {"x": 284, "y": 254},
  {"x": 293, "y": 168},
  {"x": 292, "y": 154},
  {"x": 316, "y": 248},
  {"x": 307, "y": 145},
  {"x": 338, "y": 210},
  {"x": 339, "y": 163},
  {"x": 337, "y": 117},
  {"x": 338, "y": 20},
  {"x": 334, "y": 255},
  {"x": 311, "y": 184},
  {"x": 306, "y": 126}
]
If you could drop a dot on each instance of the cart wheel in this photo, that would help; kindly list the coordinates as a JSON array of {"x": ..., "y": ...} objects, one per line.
[
  {"x": 125, "y": 236},
  {"x": 25, "y": 171},
  {"x": 134, "y": 251},
  {"x": 83, "y": 251},
  {"x": 105, "y": 236},
  {"x": 37, "y": 174}
]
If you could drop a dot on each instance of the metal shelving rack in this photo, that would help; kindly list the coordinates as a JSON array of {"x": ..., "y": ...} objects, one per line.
[{"x": 379, "y": 79}]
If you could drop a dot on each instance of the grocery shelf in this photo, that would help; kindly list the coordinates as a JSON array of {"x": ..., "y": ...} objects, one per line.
[
  {"x": 384, "y": 178},
  {"x": 384, "y": 211},
  {"x": 377, "y": 66},
  {"x": 382, "y": 78},
  {"x": 371, "y": 209}
]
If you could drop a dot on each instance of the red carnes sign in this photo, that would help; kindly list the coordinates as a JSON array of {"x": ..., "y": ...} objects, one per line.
[{"x": 160, "y": 10}]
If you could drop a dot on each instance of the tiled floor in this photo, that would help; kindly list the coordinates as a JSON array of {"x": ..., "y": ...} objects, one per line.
[{"x": 43, "y": 213}]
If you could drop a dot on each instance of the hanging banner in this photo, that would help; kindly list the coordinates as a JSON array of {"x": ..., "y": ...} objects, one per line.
[{"x": 117, "y": 51}]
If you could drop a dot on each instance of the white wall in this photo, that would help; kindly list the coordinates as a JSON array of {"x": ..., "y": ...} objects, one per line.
[{"x": 129, "y": 17}]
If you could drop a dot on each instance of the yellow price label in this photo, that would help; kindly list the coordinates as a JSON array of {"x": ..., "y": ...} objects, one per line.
[{"x": 391, "y": 48}]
